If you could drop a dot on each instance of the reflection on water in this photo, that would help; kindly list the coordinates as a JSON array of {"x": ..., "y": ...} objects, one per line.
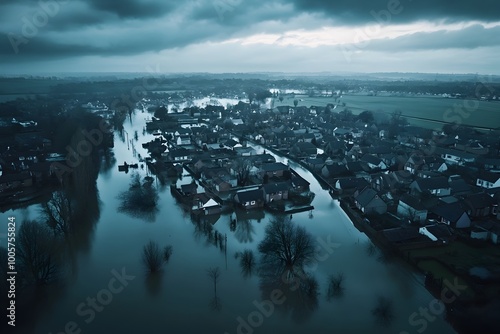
[{"x": 181, "y": 299}]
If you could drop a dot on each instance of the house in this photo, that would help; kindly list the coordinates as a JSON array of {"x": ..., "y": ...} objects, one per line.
[
  {"x": 183, "y": 132},
  {"x": 221, "y": 185},
  {"x": 41, "y": 171},
  {"x": 458, "y": 185},
  {"x": 315, "y": 163},
  {"x": 183, "y": 140},
  {"x": 189, "y": 189},
  {"x": 373, "y": 161},
  {"x": 357, "y": 166},
  {"x": 384, "y": 182},
  {"x": 488, "y": 180},
  {"x": 204, "y": 204},
  {"x": 351, "y": 184},
  {"x": 490, "y": 164},
  {"x": 437, "y": 232},
  {"x": 414, "y": 163},
  {"x": 368, "y": 202},
  {"x": 275, "y": 191},
  {"x": 335, "y": 147},
  {"x": 334, "y": 171},
  {"x": 276, "y": 169},
  {"x": 411, "y": 207},
  {"x": 180, "y": 154},
  {"x": 232, "y": 144},
  {"x": 400, "y": 235},
  {"x": 304, "y": 150},
  {"x": 486, "y": 230},
  {"x": 299, "y": 183},
  {"x": 250, "y": 199},
  {"x": 479, "y": 205},
  {"x": 245, "y": 151},
  {"x": 15, "y": 181},
  {"x": 454, "y": 157},
  {"x": 341, "y": 132},
  {"x": 453, "y": 214},
  {"x": 437, "y": 186}
]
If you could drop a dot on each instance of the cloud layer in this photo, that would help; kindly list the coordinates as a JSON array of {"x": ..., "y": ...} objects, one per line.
[{"x": 38, "y": 34}]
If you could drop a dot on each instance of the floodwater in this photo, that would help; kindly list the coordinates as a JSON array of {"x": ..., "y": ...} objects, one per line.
[{"x": 181, "y": 299}]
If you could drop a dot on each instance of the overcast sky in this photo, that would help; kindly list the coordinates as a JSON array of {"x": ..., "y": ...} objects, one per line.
[{"x": 250, "y": 36}]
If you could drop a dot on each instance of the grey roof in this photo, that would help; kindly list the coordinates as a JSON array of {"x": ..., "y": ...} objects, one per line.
[
  {"x": 412, "y": 202},
  {"x": 366, "y": 196},
  {"x": 439, "y": 231},
  {"x": 430, "y": 183},
  {"x": 274, "y": 166},
  {"x": 353, "y": 183},
  {"x": 372, "y": 159},
  {"x": 490, "y": 177},
  {"x": 272, "y": 188},
  {"x": 449, "y": 211},
  {"x": 400, "y": 234},
  {"x": 479, "y": 200},
  {"x": 250, "y": 195}
]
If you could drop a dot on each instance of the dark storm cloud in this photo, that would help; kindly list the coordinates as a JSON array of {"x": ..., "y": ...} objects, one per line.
[
  {"x": 135, "y": 8},
  {"x": 469, "y": 38},
  {"x": 403, "y": 11},
  {"x": 135, "y": 27}
]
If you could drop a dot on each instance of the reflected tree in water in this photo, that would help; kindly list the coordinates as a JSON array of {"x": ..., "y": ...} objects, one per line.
[
  {"x": 38, "y": 253},
  {"x": 60, "y": 212},
  {"x": 154, "y": 257},
  {"x": 214, "y": 274},
  {"x": 247, "y": 263},
  {"x": 335, "y": 286},
  {"x": 383, "y": 311},
  {"x": 141, "y": 199},
  {"x": 244, "y": 231},
  {"x": 285, "y": 251}
]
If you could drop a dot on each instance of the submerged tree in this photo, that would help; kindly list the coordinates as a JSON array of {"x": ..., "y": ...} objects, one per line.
[
  {"x": 59, "y": 212},
  {"x": 286, "y": 246},
  {"x": 285, "y": 252},
  {"x": 141, "y": 199},
  {"x": 154, "y": 258},
  {"x": 37, "y": 251},
  {"x": 335, "y": 285}
]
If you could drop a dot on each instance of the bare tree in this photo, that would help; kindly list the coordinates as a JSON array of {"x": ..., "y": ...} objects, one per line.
[
  {"x": 214, "y": 273},
  {"x": 141, "y": 199},
  {"x": 153, "y": 257},
  {"x": 286, "y": 246},
  {"x": 59, "y": 212},
  {"x": 37, "y": 250},
  {"x": 242, "y": 169}
]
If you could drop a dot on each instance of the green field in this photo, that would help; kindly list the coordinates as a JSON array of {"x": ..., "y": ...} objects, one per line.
[{"x": 428, "y": 112}]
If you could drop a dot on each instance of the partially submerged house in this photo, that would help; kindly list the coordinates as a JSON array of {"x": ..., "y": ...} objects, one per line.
[
  {"x": 412, "y": 208},
  {"x": 275, "y": 191},
  {"x": 369, "y": 202},
  {"x": 250, "y": 199}
]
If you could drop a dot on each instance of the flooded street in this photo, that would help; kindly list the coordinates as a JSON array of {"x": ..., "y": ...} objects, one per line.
[{"x": 181, "y": 299}]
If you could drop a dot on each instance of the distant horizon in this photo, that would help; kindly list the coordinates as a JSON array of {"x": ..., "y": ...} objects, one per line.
[{"x": 242, "y": 73}]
